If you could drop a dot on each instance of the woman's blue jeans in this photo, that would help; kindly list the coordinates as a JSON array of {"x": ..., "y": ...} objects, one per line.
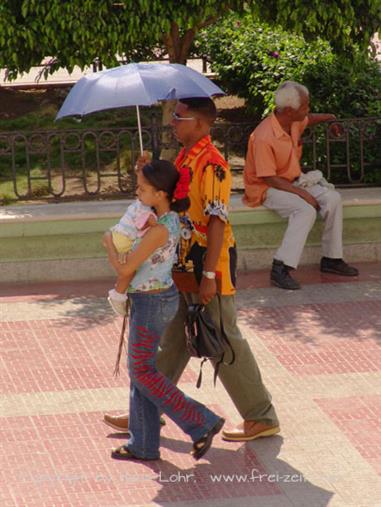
[{"x": 150, "y": 391}]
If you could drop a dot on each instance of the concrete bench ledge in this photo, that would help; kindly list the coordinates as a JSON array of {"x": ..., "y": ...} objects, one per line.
[
  {"x": 46, "y": 242},
  {"x": 113, "y": 209}
]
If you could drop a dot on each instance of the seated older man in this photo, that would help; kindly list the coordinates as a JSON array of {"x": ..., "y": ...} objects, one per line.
[{"x": 271, "y": 175}]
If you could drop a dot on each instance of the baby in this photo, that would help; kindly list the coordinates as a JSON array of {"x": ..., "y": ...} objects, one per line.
[{"x": 133, "y": 224}]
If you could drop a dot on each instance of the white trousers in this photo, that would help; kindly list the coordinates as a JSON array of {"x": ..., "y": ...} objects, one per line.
[{"x": 301, "y": 217}]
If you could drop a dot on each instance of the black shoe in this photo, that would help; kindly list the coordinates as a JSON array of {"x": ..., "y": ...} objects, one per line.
[
  {"x": 203, "y": 444},
  {"x": 337, "y": 266},
  {"x": 280, "y": 276}
]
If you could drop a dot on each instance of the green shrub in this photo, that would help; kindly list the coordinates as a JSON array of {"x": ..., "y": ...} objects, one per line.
[
  {"x": 252, "y": 59},
  {"x": 346, "y": 87}
]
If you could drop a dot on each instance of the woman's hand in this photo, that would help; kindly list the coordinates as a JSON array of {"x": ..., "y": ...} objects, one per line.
[
  {"x": 107, "y": 240},
  {"x": 142, "y": 161},
  {"x": 123, "y": 257},
  {"x": 112, "y": 254},
  {"x": 154, "y": 238}
]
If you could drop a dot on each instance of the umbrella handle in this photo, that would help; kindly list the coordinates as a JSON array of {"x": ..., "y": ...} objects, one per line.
[{"x": 140, "y": 131}]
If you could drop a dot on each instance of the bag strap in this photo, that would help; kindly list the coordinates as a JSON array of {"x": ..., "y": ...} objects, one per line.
[
  {"x": 199, "y": 380},
  {"x": 121, "y": 341},
  {"x": 221, "y": 360},
  {"x": 225, "y": 339}
]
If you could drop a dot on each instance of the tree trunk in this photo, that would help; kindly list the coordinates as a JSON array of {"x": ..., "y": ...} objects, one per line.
[
  {"x": 167, "y": 152},
  {"x": 178, "y": 46},
  {"x": 178, "y": 50}
]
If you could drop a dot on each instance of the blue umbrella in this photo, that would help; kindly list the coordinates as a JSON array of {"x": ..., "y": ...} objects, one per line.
[{"x": 135, "y": 84}]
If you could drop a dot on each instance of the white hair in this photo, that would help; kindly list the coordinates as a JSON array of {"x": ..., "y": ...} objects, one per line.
[{"x": 289, "y": 95}]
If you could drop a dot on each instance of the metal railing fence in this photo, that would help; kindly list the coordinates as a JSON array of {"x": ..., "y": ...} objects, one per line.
[{"x": 100, "y": 162}]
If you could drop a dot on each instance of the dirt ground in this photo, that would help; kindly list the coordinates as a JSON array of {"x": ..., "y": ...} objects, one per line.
[{"x": 16, "y": 104}]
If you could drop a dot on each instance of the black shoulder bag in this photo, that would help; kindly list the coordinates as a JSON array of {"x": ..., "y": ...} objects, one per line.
[{"x": 204, "y": 341}]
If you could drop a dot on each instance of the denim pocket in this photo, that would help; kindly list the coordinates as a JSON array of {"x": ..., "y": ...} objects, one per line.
[{"x": 169, "y": 303}]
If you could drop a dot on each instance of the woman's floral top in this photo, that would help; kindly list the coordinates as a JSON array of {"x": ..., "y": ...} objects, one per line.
[{"x": 156, "y": 271}]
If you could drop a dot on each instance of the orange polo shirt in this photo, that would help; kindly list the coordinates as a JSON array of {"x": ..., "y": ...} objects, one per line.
[
  {"x": 271, "y": 152},
  {"x": 209, "y": 195}
]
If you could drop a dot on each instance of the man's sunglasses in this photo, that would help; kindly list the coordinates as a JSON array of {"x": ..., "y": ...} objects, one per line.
[{"x": 176, "y": 117}]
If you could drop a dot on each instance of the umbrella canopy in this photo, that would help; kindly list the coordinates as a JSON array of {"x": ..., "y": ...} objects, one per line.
[{"x": 135, "y": 84}]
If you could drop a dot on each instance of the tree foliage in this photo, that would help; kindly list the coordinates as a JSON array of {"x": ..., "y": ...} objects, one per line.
[
  {"x": 76, "y": 32},
  {"x": 342, "y": 22},
  {"x": 252, "y": 59}
]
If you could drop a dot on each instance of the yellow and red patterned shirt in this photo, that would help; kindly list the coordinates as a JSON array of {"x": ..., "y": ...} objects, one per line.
[{"x": 209, "y": 196}]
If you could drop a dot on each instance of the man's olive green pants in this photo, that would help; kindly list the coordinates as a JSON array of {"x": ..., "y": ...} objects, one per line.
[{"x": 242, "y": 380}]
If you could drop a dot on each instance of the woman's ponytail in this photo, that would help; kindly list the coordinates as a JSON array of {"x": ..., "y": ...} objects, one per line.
[{"x": 163, "y": 175}]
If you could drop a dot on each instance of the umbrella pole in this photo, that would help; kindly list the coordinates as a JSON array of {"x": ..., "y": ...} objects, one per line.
[{"x": 140, "y": 130}]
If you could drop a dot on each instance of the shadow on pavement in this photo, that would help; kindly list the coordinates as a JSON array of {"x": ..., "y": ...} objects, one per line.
[{"x": 236, "y": 474}]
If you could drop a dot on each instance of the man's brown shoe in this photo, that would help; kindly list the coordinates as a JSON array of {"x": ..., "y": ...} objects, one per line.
[
  {"x": 250, "y": 430},
  {"x": 117, "y": 422},
  {"x": 120, "y": 422}
]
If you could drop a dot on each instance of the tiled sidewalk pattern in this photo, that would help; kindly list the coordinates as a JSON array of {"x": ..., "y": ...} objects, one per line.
[{"x": 319, "y": 352}]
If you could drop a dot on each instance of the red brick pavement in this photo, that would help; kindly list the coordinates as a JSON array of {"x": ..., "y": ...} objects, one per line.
[
  {"x": 301, "y": 338},
  {"x": 359, "y": 419},
  {"x": 66, "y": 459},
  {"x": 63, "y": 458}
]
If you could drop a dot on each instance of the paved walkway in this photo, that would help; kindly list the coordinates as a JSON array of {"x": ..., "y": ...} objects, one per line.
[{"x": 319, "y": 351}]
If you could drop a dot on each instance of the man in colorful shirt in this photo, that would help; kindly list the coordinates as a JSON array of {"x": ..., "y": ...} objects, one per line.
[
  {"x": 271, "y": 178},
  {"x": 209, "y": 194},
  {"x": 205, "y": 273}
]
